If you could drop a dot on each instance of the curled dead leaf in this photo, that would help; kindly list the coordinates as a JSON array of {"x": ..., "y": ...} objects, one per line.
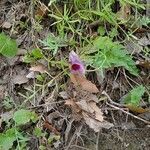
[{"x": 80, "y": 80}]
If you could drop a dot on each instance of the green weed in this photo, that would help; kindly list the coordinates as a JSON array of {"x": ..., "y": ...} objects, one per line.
[
  {"x": 13, "y": 133},
  {"x": 135, "y": 95},
  {"x": 106, "y": 54},
  {"x": 53, "y": 43},
  {"x": 8, "y": 47}
]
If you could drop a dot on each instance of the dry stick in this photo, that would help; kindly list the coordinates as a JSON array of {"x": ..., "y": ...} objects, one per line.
[
  {"x": 128, "y": 113},
  {"x": 72, "y": 138},
  {"x": 121, "y": 109},
  {"x": 111, "y": 101},
  {"x": 97, "y": 141}
]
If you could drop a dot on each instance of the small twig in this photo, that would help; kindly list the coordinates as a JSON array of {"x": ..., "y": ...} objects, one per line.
[
  {"x": 121, "y": 109},
  {"x": 111, "y": 101},
  {"x": 68, "y": 129},
  {"x": 46, "y": 104},
  {"x": 128, "y": 113},
  {"x": 97, "y": 141},
  {"x": 72, "y": 139}
]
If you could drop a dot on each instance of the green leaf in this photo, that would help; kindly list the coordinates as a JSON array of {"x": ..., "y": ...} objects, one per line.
[
  {"x": 37, "y": 53},
  {"x": 38, "y": 132},
  {"x": 22, "y": 116},
  {"x": 101, "y": 30},
  {"x": 135, "y": 95},
  {"x": 34, "y": 55},
  {"x": 53, "y": 43},
  {"x": 112, "y": 54},
  {"x": 8, "y": 47},
  {"x": 113, "y": 32},
  {"x": 7, "y": 139},
  {"x": 53, "y": 137}
]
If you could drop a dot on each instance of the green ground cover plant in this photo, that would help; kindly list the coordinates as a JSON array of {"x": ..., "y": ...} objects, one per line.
[
  {"x": 8, "y": 46},
  {"x": 79, "y": 70}
]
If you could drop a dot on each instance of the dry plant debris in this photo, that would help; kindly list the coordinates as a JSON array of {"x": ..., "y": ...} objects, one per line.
[
  {"x": 58, "y": 59},
  {"x": 86, "y": 108},
  {"x": 83, "y": 106}
]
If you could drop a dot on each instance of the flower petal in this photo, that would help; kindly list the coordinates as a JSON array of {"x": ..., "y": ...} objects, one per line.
[{"x": 77, "y": 65}]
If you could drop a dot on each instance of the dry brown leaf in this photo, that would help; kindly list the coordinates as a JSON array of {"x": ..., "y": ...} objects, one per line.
[
  {"x": 98, "y": 113},
  {"x": 20, "y": 79},
  {"x": 92, "y": 123},
  {"x": 137, "y": 109},
  {"x": 145, "y": 64},
  {"x": 95, "y": 124},
  {"x": 39, "y": 68},
  {"x": 74, "y": 106},
  {"x": 79, "y": 80},
  {"x": 31, "y": 75},
  {"x": 41, "y": 10},
  {"x": 84, "y": 105},
  {"x": 50, "y": 127}
]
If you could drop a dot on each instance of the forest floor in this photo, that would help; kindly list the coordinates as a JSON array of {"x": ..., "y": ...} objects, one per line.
[{"x": 74, "y": 75}]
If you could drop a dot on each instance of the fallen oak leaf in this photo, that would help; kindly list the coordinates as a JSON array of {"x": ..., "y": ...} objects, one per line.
[{"x": 80, "y": 80}]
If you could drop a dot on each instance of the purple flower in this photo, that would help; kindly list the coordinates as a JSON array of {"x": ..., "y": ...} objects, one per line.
[{"x": 77, "y": 65}]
